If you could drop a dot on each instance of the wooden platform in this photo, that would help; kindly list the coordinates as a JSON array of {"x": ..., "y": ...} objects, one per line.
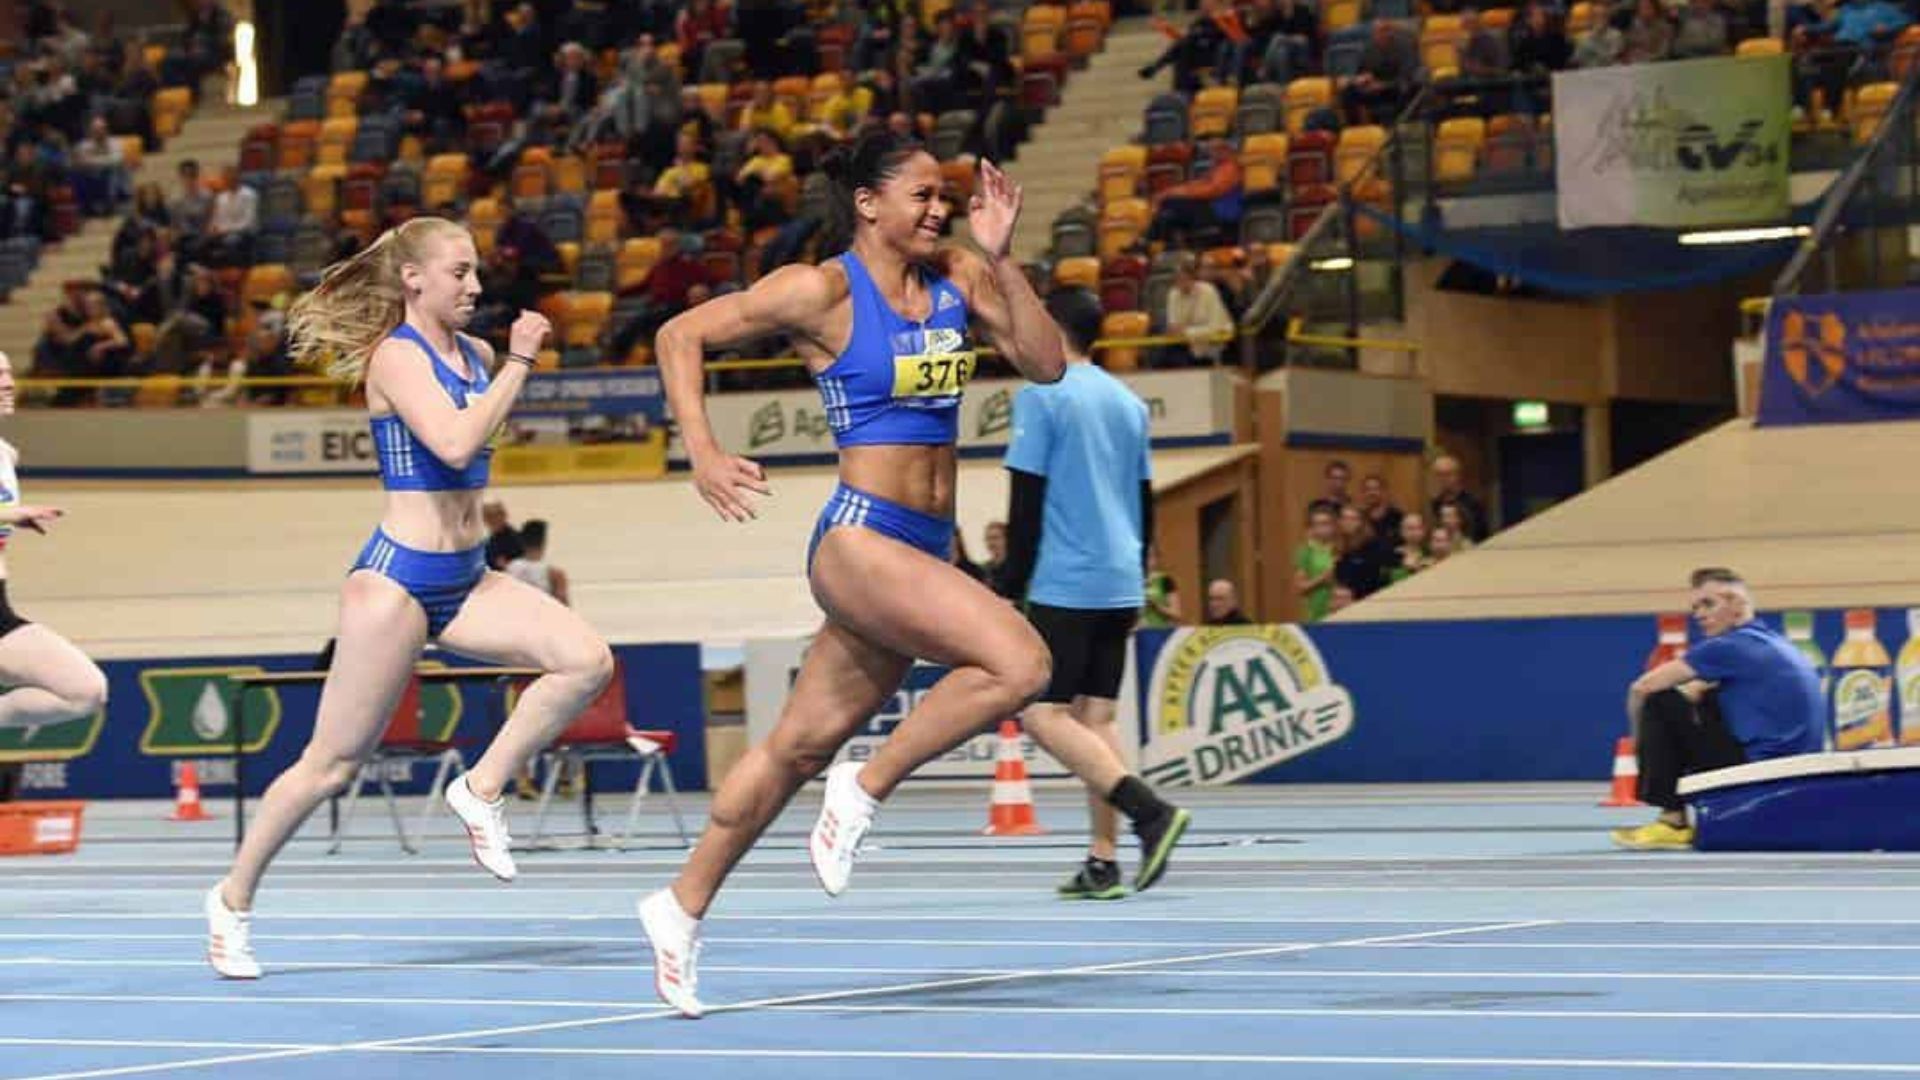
[
  {"x": 233, "y": 567},
  {"x": 1814, "y": 517}
]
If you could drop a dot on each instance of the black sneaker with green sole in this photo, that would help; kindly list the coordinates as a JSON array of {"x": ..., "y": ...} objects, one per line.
[
  {"x": 1097, "y": 879},
  {"x": 1158, "y": 836}
]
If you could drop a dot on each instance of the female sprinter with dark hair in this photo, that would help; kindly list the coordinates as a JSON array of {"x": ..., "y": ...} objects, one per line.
[
  {"x": 392, "y": 316},
  {"x": 883, "y": 328}
]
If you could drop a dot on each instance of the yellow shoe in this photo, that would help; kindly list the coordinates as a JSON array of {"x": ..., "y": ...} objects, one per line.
[{"x": 1655, "y": 836}]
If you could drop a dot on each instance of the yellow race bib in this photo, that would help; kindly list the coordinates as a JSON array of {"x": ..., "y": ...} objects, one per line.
[{"x": 932, "y": 374}]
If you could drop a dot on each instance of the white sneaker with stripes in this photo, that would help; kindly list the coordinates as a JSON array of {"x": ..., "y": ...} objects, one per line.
[
  {"x": 675, "y": 938},
  {"x": 845, "y": 816},
  {"x": 229, "y": 939},
  {"x": 486, "y": 824}
]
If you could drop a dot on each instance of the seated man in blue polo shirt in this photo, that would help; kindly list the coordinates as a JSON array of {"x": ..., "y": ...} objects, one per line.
[{"x": 1743, "y": 694}]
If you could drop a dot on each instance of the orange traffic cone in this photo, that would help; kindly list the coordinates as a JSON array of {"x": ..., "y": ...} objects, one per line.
[
  {"x": 186, "y": 796},
  {"x": 1011, "y": 810},
  {"x": 1626, "y": 775}
]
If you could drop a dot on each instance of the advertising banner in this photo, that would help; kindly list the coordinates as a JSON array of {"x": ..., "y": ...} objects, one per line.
[{"x": 1842, "y": 357}]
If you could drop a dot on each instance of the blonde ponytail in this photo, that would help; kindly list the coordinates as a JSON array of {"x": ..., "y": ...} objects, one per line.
[{"x": 359, "y": 301}]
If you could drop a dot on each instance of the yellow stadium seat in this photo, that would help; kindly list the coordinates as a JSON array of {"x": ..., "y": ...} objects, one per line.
[
  {"x": 1499, "y": 20},
  {"x": 569, "y": 257},
  {"x": 486, "y": 216},
  {"x": 1121, "y": 170},
  {"x": 635, "y": 261},
  {"x": 1263, "y": 161},
  {"x": 320, "y": 190},
  {"x": 133, "y": 149},
  {"x": 1760, "y": 46},
  {"x": 1122, "y": 222},
  {"x": 144, "y": 335},
  {"x": 1456, "y": 148},
  {"x": 1340, "y": 14},
  {"x": 1080, "y": 272},
  {"x": 1121, "y": 325},
  {"x": 158, "y": 391},
  {"x": 568, "y": 174},
  {"x": 1356, "y": 150},
  {"x": 1211, "y": 116},
  {"x": 266, "y": 281},
  {"x": 1869, "y": 106},
  {"x": 587, "y": 314},
  {"x": 1580, "y": 18},
  {"x": 1303, "y": 97}
]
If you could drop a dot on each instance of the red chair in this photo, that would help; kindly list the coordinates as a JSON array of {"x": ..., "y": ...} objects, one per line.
[
  {"x": 402, "y": 742},
  {"x": 601, "y": 733}
]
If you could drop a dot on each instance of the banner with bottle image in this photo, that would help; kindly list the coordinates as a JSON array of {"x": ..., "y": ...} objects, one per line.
[{"x": 1841, "y": 358}]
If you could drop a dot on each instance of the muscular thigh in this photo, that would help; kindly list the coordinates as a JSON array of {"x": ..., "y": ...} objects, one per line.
[
  {"x": 507, "y": 621},
  {"x": 915, "y": 604},
  {"x": 34, "y": 655},
  {"x": 843, "y": 680}
]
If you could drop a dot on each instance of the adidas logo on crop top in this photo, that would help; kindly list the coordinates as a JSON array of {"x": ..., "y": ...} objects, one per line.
[
  {"x": 899, "y": 380},
  {"x": 405, "y": 462}
]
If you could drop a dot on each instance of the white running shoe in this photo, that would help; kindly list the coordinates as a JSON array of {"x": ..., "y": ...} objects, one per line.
[
  {"x": 675, "y": 938},
  {"x": 229, "y": 939},
  {"x": 486, "y": 824},
  {"x": 845, "y": 816}
]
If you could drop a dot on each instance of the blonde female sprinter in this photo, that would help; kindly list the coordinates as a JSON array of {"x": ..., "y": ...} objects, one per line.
[
  {"x": 392, "y": 315},
  {"x": 52, "y": 680}
]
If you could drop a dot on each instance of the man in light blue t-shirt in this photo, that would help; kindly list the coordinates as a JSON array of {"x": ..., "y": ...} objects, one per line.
[
  {"x": 1742, "y": 693},
  {"x": 1081, "y": 473}
]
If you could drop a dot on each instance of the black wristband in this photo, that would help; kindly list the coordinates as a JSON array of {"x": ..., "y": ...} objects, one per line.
[{"x": 517, "y": 358}]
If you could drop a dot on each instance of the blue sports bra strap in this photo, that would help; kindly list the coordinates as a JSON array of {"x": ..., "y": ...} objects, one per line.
[{"x": 406, "y": 330}]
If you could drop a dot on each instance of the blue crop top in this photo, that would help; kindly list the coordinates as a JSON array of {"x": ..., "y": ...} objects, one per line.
[
  {"x": 899, "y": 380},
  {"x": 405, "y": 462}
]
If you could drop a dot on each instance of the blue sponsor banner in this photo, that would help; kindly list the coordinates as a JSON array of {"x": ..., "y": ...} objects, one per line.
[
  {"x": 608, "y": 392},
  {"x": 162, "y": 712},
  {"x": 1485, "y": 700},
  {"x": 1842, "y": 358}
]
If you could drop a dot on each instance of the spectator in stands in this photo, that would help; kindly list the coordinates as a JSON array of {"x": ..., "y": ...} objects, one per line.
[
  {"x": 668, "y": 289},
  {"x": 1194, "y": 311},
  {"x": 878, "y": 36},
  {"x": 1361, "y": 565},
  {"x": 353, "y": 49},
  {"x": 1539, "y": 45},
  {"x": 1605, "y": 44},
  {"x": 207, "y": 45},
  {"x": 1649, "y": 36},
  {"x": 760, "y": 187},
  {"x": 1485, "y": 65},
  {"x": 197, "y": 324},
  {"x": 1315, "y": 563},
  {"x": 1448, "y": 488},
  {"x": 938, "y": 76},
  {"x": 569, "y": 91},
  {"x": 1742, "y": 693},
  {"x": 986, "y": 58},
  {"x": 645, "y": 106},
  {"x": 263, "y": 356},
  {"x": 532, "y": 567},
  {"x": 231, "y": 224},
  {"x": 1387, "y": 71},
  {"x": 1454, "y": 520},
  {"x": 1206, "y": 204},
  {"x": 674, "y": 189},
  {"x": 522, "y": 47},
  {"x": 850, "y": 104},
  {"x": 1856, "y": 30},
  {"x": 137, "y": 86},
  {"x": 1411, "y": 556},
  {"x": 1337, "y": 479},
  {"x": 433, "y": 107},
  {"x": 760, "y": 26},
  {"x": 1195, "y": 51},
  {"x": 101, "y": 348},
  {"x": 25, "y": 213},
  {"x": 1286, "y": 39},
  {"x": 1702, "y": 32},
  {"x": 54, "y": 352},
  {"x": 1343, "y": 598},
  {"x": 1223, "y": 604},
  {"x": 189, "y": 210},
  {"x": 99, "y": 170},
  {"x": 1382, "y": 516},
  {"x": 1441, "y": 544},
  {"x": 150, "y": 207},
  {"x": 521, "y": 239},
  {"x": 142, "y": 283},
  {"x": 764, "y": 113},
  {"x": 701, "y": 23},
  {"x": 503, "y": 540}
]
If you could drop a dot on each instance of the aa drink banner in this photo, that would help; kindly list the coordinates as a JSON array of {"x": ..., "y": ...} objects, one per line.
[
  {"x": 1842, "y": 357},
  {"x": 1688, "y": 143}
]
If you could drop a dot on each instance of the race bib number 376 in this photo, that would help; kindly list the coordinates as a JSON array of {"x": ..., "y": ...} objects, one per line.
[{"x": 932, "y": 375}]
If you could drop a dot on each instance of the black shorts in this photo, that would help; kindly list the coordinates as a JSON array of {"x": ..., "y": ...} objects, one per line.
[
  {"x": 1089, "y": 649},
  {"x": 9, "y": 620}
]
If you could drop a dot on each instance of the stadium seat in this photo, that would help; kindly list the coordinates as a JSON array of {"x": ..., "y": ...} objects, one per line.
[
  {"x": 1263, "y": 162},
  {"x": 1262, "y": 109},
  {"x": 1166, "y": 120},
  {"x": 1122, "y": 223},
  {"x": 587, "y": 314},
  {"x": 1040, "y": 31},
  {"x": 1580, "y": 19},
  {"x": 1310, "y": 158},
  {"x": 1759, "y": 46},
  {"x": 170, "y": 108},
  {"x": 1869, "y": 106},
  {"x": 1081, "y": 272},
  {"x": 1456, "y": 148},
  {"x": 1303, "y": 97},
  {"x": 1339, "y": 14},
  {"x": 320, "y": 191},
  {"x": 1121, "y": 171},
  {"x": 1305, "y": 208},
  {"x": 1122, "y": 325},
  {"x": 1213, "y": 112},
  {"x": 1167, "y": 165},
  {"x": 1356, "y": 150}
]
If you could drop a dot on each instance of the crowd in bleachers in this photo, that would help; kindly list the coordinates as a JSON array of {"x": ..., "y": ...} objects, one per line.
[
  {"x": 616, "y": 161},
  {"x": 1280, "y": 105}
]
